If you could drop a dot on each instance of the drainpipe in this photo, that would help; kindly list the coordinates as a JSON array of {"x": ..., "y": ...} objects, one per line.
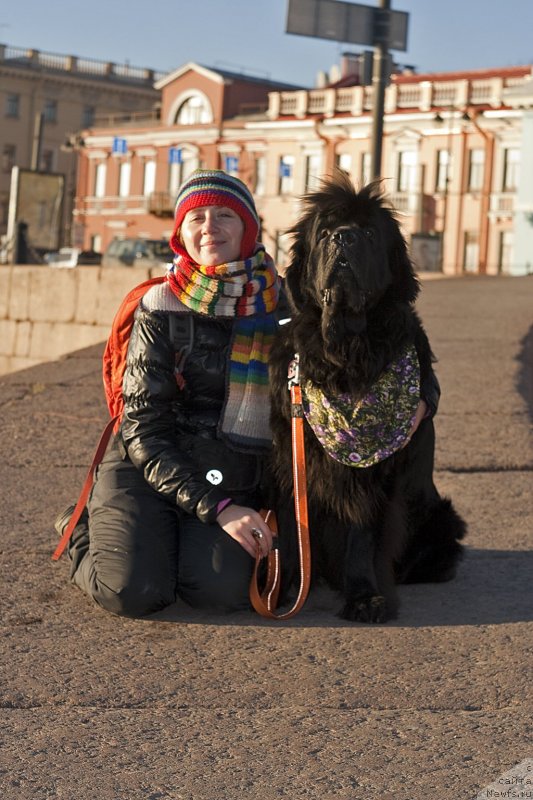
[
  {"x": 462, "y": 189},
  {"x": 329, "y": 147},
  {"x": 485, "y": 196}
]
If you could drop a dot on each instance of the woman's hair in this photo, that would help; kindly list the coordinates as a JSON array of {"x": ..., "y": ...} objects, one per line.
[{"x": 214, "y": 187}]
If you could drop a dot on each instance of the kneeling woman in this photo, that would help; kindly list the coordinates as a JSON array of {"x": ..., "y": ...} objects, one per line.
[{"x": 174, "y": 508}]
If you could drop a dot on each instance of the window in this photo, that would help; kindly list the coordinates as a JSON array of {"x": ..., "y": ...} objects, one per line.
[
  {"x": 47, "y": 161},
  {"x": 282, "y": 249},
  {"x": 149, "y": 177},
  {"x": 124, "y": 177},
  {"x": 476, "y": 164},
  {"x": 9, "y": 155},
  {"x": 511, "y": 169},
  {"x": 471, "y": 252},
  {"x": 312, "y": 172},
  {"x": 12, "y": 105},
  {"x": 180, "y": 171},
  {"x": 87, "y": 116},
  {"x": 505, "y": 259},
  {"x": 100, "y": 180},
  {"x": 96, "y": 243},
  {"x": 407, "y": 171},
  {"x": 194, "y": 111},
  {"x": 286, "y": 175},
  {"x": 259, "y": 181},
  {"x": 444, "y": 171},
  {"x": 366, "y": 168},
  {"x": 50, "y": 111},
  {"x": 344, "y": 162}
]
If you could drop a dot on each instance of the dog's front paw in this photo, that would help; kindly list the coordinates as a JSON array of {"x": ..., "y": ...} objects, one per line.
[{"x": 366, "y": 609}]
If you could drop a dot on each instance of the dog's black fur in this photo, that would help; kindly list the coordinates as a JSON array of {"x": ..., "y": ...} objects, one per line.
[{"x": 352, "y": 288}]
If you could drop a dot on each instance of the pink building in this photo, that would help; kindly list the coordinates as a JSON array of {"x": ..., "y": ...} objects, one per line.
[{"x": 457, "y": 158}]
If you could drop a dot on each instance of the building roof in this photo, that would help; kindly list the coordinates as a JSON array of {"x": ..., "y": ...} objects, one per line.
[{"x": 222, "y": 75}]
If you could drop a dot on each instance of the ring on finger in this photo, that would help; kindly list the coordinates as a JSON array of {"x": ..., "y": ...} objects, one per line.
[{"x": 257, "y": 534}]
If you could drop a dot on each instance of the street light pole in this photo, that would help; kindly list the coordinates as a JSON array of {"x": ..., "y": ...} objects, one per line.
[{"x": 379, "y": 82}]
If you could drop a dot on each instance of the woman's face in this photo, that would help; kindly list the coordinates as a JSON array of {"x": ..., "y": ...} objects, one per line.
[{"x": 212, "y": 235}]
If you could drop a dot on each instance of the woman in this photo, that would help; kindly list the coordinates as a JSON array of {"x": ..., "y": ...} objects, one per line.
[{"x": 174, "y": 508}]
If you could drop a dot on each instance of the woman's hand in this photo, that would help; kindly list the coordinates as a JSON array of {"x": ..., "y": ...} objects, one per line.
[{"x": 241, "y": 523}]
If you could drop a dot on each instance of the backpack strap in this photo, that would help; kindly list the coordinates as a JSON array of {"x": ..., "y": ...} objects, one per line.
[{"x": 181, "y": 333}]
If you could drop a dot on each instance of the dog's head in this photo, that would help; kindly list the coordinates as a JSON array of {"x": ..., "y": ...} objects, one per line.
[{"x": 348, "y": 255}]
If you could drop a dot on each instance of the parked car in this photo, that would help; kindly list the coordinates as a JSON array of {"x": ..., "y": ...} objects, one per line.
[
  {"x": 137, "y": 253},
  {"x": 72, "y": 257}
]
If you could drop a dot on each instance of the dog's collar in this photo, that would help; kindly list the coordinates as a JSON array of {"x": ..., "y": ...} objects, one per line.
[{"x": 363, "y": 433}]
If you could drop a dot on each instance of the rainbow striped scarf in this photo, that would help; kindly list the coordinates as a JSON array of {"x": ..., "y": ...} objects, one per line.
[{"x": 247, "y": 291}]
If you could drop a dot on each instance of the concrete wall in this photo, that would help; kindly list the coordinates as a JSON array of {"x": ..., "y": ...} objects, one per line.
[{"x": 46, "y": 313}]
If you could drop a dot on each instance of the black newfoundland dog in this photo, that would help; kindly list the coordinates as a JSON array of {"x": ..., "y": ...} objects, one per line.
[{"x": 375, "y": 516}]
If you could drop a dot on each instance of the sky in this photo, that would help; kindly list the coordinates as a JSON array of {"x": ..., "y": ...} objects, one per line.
[{"x": 249, "y": 35}]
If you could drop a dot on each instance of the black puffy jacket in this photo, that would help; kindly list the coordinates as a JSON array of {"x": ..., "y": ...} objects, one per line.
[{"x": 169, "y": 433}]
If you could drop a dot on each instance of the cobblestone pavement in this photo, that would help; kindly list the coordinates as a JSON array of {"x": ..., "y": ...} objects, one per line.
[{"x": 434, "y": 705}]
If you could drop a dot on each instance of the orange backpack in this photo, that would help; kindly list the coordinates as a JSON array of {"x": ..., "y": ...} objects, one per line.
[{"x": 113, "y": 367}]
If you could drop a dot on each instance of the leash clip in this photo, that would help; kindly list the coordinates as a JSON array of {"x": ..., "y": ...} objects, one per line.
[{"x": 293, "y": 372}]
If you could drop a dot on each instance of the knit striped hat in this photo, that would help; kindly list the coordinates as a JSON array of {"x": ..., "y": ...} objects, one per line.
[{"x": 214, "y": 187}]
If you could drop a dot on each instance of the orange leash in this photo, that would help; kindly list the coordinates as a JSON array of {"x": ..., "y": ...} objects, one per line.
[
  {"x": 86, "y": 489},
  {"x": 265, "y": 601}
]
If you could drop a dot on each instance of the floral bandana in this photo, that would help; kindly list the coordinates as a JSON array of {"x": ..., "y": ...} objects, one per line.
[{"x": 375, "y": 427}]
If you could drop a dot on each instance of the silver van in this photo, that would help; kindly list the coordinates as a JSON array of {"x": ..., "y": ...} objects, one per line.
[{"x": 137, "y": 253}]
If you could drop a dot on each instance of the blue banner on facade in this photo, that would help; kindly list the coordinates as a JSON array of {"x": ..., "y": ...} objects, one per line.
[
  {"x": 175, "y": 155},
  {"x": 120, "y": 146},
  {"x": 232, "y": 164}
]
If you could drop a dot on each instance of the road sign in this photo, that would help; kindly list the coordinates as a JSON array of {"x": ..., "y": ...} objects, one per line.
[{"x": 348, "y": 22}]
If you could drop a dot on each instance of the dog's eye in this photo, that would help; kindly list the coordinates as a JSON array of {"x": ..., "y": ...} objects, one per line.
[{"x": 369, "y": 233}]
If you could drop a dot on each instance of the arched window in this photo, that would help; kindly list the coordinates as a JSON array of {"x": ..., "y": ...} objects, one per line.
[{"x": 193, "y": 111}]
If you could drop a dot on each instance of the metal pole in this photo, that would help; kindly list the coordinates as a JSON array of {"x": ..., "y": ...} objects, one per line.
[
  {"x": 379, "y": 82},
  {"x": 37, "y": 142}
]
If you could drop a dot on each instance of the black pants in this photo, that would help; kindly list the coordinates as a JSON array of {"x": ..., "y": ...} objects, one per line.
[{"x": 135, "y": 552}]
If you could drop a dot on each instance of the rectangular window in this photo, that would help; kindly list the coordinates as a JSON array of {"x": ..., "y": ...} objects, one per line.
[
  {"x": 9, "y": 155},
  {"x": 149, "y": 177},
  {"x": 180, "y": 171},
  {"x": 511, "y": 169},
  {"x": 50, "y": 110},
  {"x": 444, "y": 170},
  {"x": 286, "y": 175},
  {"x": 505, "y": 259},
  {"x": 407, "y": 171},
  {"x": 471, "y": 252},
  {"x": 124, "y": 177},
  {"x": 282, "y": 249},
  {"x": 47, "y": 161},
  {"x": 12, "y": 105},
  {"x": 476, "y": 164},
  {"x": 100, "y": 180},
  {"x": 259, "y": 184},
  {"x": 96, "y": 243},
  {"x": 87, "y": 116},
  {"x": 312, "y": 172},
  {"x": 344, "y": 162},
  {"x": 365, "y": 173}
]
